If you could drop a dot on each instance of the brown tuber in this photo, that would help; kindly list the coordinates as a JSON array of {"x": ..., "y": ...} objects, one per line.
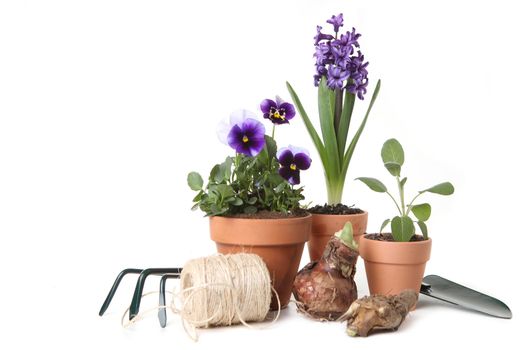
[
  {"x": 325, "y": 289},
  {"x": 378, "y": 312}
]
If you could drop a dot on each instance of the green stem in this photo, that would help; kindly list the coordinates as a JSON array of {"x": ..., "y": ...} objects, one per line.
[
  {"x": 411, "y": 203},
  {"x": 394, "y": 201},
  {"x": 334, "y": 191},
  {"x": 401, "y": 193},
  {"x": 273, "y": 130}
]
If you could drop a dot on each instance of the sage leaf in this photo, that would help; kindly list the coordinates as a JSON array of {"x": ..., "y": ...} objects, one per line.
[
  {"x": 373, "y": 184},
  {"x": 393, "y": 168},
  {"x": 195, "y": 181},
  {"x": 402, "y": 228},
  {"x": 423, "y": 228},
  {"x": 445, "y": 189},
  {"x": 422, "y": 211},
  {"x": 384, "y": 224},
  {"x": 392, "y": 152}
]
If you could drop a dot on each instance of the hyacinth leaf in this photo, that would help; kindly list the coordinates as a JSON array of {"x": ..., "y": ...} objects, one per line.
[
  {"x": 384, "y": 224},
  {"x": 445, "y": 189},
  {"x": 344, "y": 124},
  {"x": 309, "y": 126},
  {"x": 346, "y": 236},
  {"x": 195, "y": 181},
  {"x": 351, "y": 148},
  {"x": 393, "y": 168},
  {"x": 392, "y": 152},
  {"x": 373, "y": 184},
  {"x": 402, "y": 228},
  {"x": 422, "y": 211},
  {"x": 423, "y": 228},
  {"x": 326, "y": 117}
]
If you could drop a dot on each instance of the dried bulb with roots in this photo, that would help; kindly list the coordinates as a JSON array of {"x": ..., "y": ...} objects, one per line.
[{"x": 325, "y": 289}]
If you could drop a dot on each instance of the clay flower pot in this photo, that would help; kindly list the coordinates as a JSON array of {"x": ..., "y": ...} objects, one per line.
[
  {"x": 392, "y": 267},
  {"x": 325, "y": 225},
  {"x": 279, "y": 242}
]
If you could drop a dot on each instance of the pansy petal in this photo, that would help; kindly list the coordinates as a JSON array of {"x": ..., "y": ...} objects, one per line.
[
  {"x": 256, "y": 146},
  {"x": 266, "y": 105},
  {"x": 222, "y": 131},
  {"x": 296, "y": 150},
  {"x": 253, "y": 128},
  {"x": 285, "y": 158},
  {"x": 289, "y": 110},
  {"x": 295, "y": 178},
  {"x": 302, "y": 161},
  {"x": 285, "y": 172},
  {"x": 239, "y": 116},
  {"x": 234, "y": 138}
]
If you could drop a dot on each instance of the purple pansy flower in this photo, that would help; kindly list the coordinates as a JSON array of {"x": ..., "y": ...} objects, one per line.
[
  {"x": 340, "y": 60},
  {"x": 336, "y": 21},
  {"x": 243, "y": 132},
  {"x": 278, "y": 111},
  {"x": 292, "y": 160}
]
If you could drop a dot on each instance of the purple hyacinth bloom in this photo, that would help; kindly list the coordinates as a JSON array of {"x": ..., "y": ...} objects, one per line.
[
  {"x": 247, "y": 137},
  {"x": 321, "y": 36},
  {"x": 336, "y": 21},
  {"x": 340, "y": 60},
  {"x": 278, "y": 111},
  {"x": 336, "y": 77},
  {"x": 292, "y": 160}
]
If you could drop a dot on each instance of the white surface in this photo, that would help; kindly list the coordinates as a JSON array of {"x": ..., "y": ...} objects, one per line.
[{"x": 106, "y": 105}]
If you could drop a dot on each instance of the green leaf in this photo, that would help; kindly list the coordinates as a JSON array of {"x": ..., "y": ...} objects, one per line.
[
  {"x": 392, "y": 152},
  {"x": 403, "y": 182},
  {"x": 236, "y": 201},
  {"x": 252, "y": 200},
  {"x": 271, "y": 146},
  {"x": 250, "y": 210},
  {"x": 195, "y": 181},
  {"x": 422, "y": 211},
  {"x": 309, "y": 126},
  {"x": 195, "y": 207},
  {"x": 225, "y": 190},
  {"x": 326, "y": 117},
  {"x": 445, "y": 189},
  {"x": 351, "y": 148},
  {"x": 346, "y": 236},
  {"x": 344, "y": 125},
  {"x": 423, "y": 228},
  {"x": 393, "y": 168},
  {"x": 198, "y": 196},
  {"x": 280, "y": 187},
  {"x": 402, "y": 228},
  {"x": 384, "y": 224},
  {"x": 373, "y": 184}
]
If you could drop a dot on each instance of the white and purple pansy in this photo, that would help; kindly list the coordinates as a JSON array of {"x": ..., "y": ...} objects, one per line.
[
  {"x": 244, "y": 133},
  {"x": 292, "y": 160}
]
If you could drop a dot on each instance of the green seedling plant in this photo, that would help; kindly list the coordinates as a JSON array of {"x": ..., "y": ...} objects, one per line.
[{"x": 402, "y": 225}]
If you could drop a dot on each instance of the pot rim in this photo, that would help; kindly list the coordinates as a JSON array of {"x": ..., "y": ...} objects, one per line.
[
  {"x": 340, "y": 215},
  {"x": 424, "y": 241},
  {"x": 308, "y": 215}
]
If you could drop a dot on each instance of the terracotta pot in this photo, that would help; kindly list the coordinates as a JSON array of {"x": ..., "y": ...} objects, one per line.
[
  {"x": 279, "y": 242},
  {"x": 392, "y": 267},
  {"x": 325, "y": 225}
]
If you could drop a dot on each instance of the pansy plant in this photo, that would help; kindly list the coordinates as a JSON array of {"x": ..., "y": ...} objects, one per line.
[
  {"x": 341, "y": 76},
  {"x": 402, "y": 225},
  {"x": 258, "y": 177}
]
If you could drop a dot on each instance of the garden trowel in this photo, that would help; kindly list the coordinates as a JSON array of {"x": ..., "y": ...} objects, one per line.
[{"x": 456, "y": 294}]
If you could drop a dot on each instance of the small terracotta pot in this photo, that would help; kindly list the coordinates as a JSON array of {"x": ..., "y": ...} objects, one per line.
[
  {"x": 279, "y": 242},
  {"x": 392, "y": 267},
  {"x": 325, "y": 225}
]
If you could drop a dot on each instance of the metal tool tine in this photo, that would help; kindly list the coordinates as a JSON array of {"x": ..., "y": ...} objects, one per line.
[
  {"x": 138, "y": 291},
  {"x": 162, "y": 311},
  {"x": 114, "y": 287}
]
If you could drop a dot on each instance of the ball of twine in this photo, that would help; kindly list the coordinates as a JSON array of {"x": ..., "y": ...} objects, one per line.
[{"x": 223, "y": 290}]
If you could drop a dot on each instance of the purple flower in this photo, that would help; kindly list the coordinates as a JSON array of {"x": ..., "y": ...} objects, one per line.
[
  {"x": 278, "y": 111},
  {"x": 340, "y": 60},
  {"x": 247, "y": 137},
  {"x": 337, "y": 77},
  {"x": 320, "y": 36},
  {"x": 292, "y": 160},
  {"x": 336, "y": 21}
]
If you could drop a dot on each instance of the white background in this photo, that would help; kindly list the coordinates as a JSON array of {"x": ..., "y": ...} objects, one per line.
[{"x": 106, "y": 105}]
